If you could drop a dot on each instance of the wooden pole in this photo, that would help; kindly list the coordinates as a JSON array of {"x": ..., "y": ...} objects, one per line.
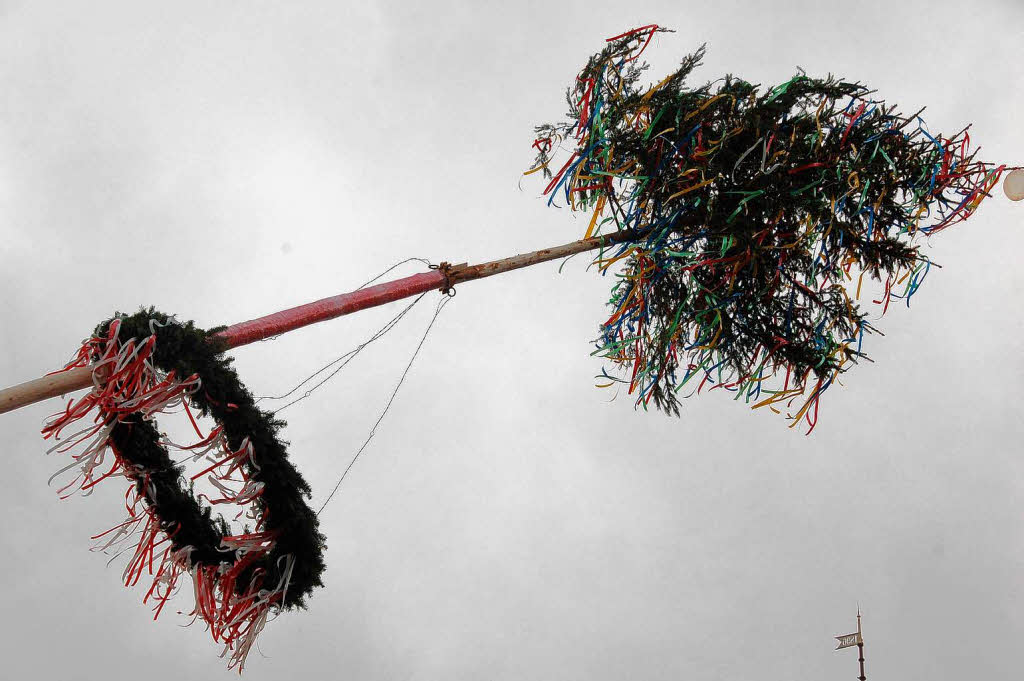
[
  {"x": 243, "y": 333},
  {"x": 277, "y": 323},
  {"x": 43, "y": 388}
]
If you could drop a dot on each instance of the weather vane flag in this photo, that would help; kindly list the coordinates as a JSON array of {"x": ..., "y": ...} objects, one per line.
[{"x": 854, "y": 639}]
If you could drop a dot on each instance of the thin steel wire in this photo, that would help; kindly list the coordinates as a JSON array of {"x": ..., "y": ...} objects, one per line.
[
  {"x": 351, "y": 354},
  {"x": 344, "y": 359},
  {"x": 373, "y": 431}
]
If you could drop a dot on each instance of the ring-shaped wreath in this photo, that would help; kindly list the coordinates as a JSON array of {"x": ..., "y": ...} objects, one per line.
[{"x": 149, "y": 363}]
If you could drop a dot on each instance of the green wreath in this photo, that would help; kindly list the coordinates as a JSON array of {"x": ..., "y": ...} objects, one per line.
[{"x": 145, "y": 364}]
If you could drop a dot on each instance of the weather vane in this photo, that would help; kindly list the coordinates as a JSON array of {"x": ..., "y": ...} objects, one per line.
[{"x": 854, "y": 639}]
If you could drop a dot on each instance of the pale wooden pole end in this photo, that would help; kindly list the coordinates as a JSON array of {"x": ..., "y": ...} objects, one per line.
[{"x": 27, "y": 393}]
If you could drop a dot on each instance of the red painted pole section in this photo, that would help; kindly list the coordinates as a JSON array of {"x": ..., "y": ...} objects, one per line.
[
  {"x": 328, "y": 308},
  {"x": 245, "y": 332}
]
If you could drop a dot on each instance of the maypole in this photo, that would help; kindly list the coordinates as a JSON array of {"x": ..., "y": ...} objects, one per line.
[
  {"x": 744, "y": 230},
  {"x": 443, "y": 278}
]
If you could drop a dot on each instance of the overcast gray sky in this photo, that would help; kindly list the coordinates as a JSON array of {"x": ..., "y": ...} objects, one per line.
[{"x": 225, "y": 160}]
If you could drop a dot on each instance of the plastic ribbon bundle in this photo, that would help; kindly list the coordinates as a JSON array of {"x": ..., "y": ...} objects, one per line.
[{"x": 757, "y": 216}]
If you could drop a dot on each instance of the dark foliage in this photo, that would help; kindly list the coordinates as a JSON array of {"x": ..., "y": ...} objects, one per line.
[{"x": 761, "y": 212}]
